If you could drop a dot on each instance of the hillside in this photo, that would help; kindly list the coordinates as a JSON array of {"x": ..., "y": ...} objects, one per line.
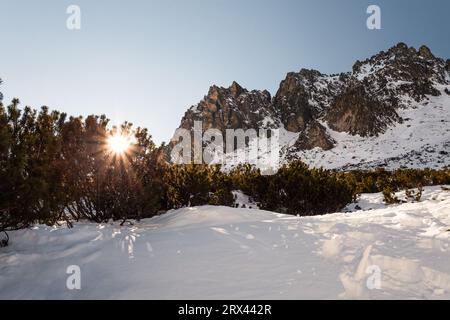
[
  {"x": 220, "y": 252},
  {"x": 392, "y": 110}
]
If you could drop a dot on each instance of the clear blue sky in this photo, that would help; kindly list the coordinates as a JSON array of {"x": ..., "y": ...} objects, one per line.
[{"x": 148, "y": 61}]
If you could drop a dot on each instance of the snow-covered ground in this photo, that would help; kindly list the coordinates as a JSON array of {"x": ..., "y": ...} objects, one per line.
[{"x": 381, "y": 252}]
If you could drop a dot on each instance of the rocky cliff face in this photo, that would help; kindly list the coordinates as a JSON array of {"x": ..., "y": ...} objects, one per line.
[
  {"x": 305, "y": 96},
  {"x": 231, "y": 108},
  {"x": 314, "y": 136},
  {"x": 365, "y": 103},
  {"x": 360, "y": 113}
]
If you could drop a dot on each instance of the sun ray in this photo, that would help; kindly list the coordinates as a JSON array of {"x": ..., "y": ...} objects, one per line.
[{"x": 119, "y": 143}]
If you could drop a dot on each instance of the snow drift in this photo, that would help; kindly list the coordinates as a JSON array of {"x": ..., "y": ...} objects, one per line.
[{"x": 378, "y": 252}]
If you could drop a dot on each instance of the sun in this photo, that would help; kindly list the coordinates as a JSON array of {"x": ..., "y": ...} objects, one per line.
[{"x": 119, "y": 143}]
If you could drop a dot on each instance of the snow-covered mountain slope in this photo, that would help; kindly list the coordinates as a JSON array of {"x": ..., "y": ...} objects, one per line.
[
  {"x": 422, "y": 140},
  {"x": 380, "y": 252},
  {"x": 392, "y": 110}
]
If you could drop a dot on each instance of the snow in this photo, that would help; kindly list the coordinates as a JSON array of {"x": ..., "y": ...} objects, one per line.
[
  {"x": 421, "y": 141},
  {"x": 267, "y": 121},
  {"x": 368, "y": 69},
  {"x": 262, "y": 152},
  {"x": 379, "y": 252},
  {"x": 241, "y": 200},
  {"x": 195, "y": 109}
]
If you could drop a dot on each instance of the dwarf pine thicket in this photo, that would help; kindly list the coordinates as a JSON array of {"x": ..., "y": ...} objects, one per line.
[{"x": 57, "y": 168}]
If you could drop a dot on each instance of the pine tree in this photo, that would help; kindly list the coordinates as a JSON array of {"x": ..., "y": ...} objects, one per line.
[
  {"x": 389, "y": 195},
  {"x": 221, "y": 187},
  {"x": 187, "y": 185},
  {"x": 296, "y": 189}
]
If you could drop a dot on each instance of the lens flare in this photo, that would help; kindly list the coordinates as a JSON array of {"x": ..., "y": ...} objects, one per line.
[{"x": 119, "y": 143}]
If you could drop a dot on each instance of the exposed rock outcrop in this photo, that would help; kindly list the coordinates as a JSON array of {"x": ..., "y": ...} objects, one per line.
[
  {"x": 315, "y": 136},
  {"x": 357, "y": 112}
]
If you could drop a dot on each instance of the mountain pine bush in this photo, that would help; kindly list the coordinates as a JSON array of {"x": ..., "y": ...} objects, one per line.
[{"x": 54, "y": 168}]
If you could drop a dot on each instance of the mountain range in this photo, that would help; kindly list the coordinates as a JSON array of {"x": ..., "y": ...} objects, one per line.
[{"x": 391, "y": 110}]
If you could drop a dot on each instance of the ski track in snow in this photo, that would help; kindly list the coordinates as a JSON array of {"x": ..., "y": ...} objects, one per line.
[{"x": 219, "y": 252}]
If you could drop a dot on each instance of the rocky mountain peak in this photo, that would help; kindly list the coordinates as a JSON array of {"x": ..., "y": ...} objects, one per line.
[
  {"x": 401, "y": 48},
  {"x": 425, "y": 53},
  {"x": 401, "y": 73},
  {"x": 236, "y": 90},
  {"x": 304, "y": 96},
  {"x": 232, "y": 107},
  {"x": 309, "y": 74}
]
